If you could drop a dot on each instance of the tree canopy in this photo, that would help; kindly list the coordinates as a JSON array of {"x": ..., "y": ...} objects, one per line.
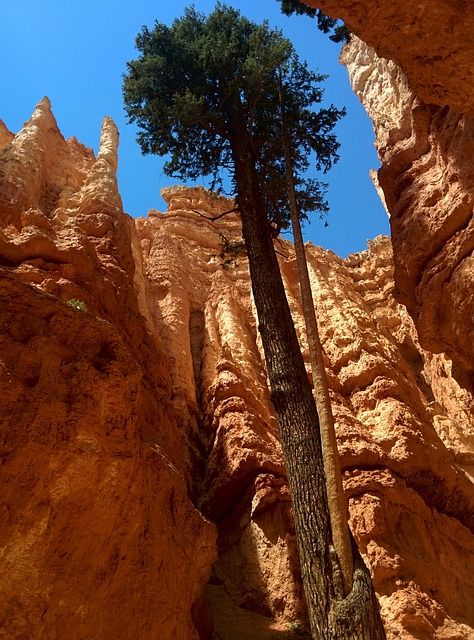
[{"x": 179, "y": 92}]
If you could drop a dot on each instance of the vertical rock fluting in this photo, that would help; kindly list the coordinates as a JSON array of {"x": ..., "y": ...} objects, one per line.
[
  {"x": 427, "y": 176},
  {"x": 135, "y": 410},
  {"x": 397, "y": 409},
  {"x": 98, "y": 538},
  {"x": 203, "y": 314},
  {"x": 382, "y": 397}
]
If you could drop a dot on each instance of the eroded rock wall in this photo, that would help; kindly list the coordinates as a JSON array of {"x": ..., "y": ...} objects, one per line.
[
  {"x": 427, "y": 177},
  {"x": 137, "y": 426},
  {"x": 98, "y": 537},
  {"x": 395, "y": 406},
  {"x": 414, "y": 73},
  {"x": 432, "y": 42}
]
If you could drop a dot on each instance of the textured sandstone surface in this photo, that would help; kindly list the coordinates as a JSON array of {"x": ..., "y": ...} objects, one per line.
[
  {"x": 137, "y": 429},
  {"x": 395, "y": 406},
  {"x": 414, "y": 73},
  {"x": 427, "y": 177},
  {"x": 6, "y": 136},
  {"x": 432, "y": 42},
  {"x": 98, "y": 536}
]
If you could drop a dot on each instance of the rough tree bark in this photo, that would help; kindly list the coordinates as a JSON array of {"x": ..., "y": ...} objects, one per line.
[
  {"x": 357, "y": 616},
  {"x": 332, "y": 467}
]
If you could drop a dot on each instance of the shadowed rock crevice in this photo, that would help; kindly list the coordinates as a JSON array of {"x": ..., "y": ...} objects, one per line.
[
  {"x": 196, "y": 335},
  {"x": 414, "y": 359}
]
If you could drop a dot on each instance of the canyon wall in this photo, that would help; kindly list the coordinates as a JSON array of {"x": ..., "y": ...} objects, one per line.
[
  {"x": 432, "y": 43},
  {"x": 414, "y": 73},
  {"x": 98, "y": 537},
  {"x": 144, "y": 488},
  {"x": 427, "y": 177}
]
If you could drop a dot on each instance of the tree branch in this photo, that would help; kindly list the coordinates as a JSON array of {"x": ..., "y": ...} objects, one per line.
[
  {"x": 221, "y": 215},
  {"x": 283, "y": 255}
]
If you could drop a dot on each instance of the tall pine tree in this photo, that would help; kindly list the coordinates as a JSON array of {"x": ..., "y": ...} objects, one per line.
[{"x": 204, "y": 92}]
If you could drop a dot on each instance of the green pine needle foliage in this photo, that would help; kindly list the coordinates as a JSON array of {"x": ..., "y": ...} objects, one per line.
[
  {"x": 188, "y": 78},
  {"x": 77, "y": 304},
  {"x": 338, "y": 30}
]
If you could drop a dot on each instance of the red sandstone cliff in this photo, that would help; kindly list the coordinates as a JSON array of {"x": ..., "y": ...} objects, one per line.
[
  {"x": 421, "y": 103},
  {"x": 98, "y": 537},
  {"x": 137, "y": 429},
  {"x": 143, "y": 489}
]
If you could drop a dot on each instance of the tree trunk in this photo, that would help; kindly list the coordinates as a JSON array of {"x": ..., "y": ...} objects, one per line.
[
  {"x": 332, "y": 467},
  {"x": 356, "y": 616}
]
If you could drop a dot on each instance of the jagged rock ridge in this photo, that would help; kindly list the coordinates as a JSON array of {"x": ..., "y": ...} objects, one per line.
[
  {"x": 95, "y": 514},
  {"x": 137, "y": 428}
]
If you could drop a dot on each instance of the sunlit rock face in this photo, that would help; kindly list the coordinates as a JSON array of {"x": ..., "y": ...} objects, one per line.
[
  {"x": 432, "y": 42},
  {"x": 427, "y": 177},
  {"x": 414, "y": 72},
  {"x": 395, "y": 407},
  {"x": 424, "y": 130},
  {"x": 6, "y": 136},
  {"x": 98, "y": 537},
  {"x": 137, "y": 427}
]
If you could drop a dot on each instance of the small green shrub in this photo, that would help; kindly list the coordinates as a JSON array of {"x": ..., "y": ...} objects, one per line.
[
  {"x": 298, "y": 632},
  {"x": 230, "y": 251},
  {"x": 77, "y": 304}
]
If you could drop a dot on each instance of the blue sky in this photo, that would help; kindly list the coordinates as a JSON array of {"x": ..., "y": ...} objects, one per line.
[{"x": 76, "y": 52}]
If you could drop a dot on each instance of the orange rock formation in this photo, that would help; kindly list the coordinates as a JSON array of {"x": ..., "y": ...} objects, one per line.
[
  {"x": 143, "y": 487},
  {"x": 432, "y": 42},
  {"x": 427, "y": 177},
  {"x": 137, "y": 428},
  {"x": 98, "y": 537}
]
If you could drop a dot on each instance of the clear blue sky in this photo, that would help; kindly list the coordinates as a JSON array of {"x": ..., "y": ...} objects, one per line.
[{"x": 76, "y": 52}]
